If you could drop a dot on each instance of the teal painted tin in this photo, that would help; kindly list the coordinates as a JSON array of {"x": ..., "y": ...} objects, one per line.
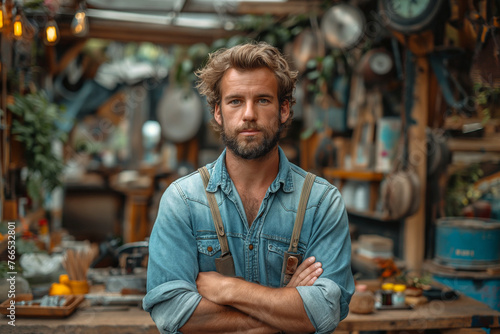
[{"x": 467, "y": 243}]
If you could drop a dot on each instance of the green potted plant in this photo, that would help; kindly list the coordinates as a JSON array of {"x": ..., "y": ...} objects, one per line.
[{"x": 34, "y": 125}]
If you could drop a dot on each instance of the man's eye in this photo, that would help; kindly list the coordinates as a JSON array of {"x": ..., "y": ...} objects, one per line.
[
  {"x": 234, "y": 102},
  {"x": 264, "y": 101}
]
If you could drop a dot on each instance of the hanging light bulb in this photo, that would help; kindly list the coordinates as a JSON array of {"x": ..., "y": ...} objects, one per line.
[
  {"x": 51, "y": 33},
  {"x": 80, "y": 23},
  {"x": 18, "y": 27},
  {"x": 3, "y": 17}
]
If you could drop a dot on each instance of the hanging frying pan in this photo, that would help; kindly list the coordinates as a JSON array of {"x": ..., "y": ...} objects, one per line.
[
  {"x": 343, "y": 26},
  {"x": 306, "y": 46},
  {"x": 180, "y": 114},
  {"x": 376, "y": 66}
]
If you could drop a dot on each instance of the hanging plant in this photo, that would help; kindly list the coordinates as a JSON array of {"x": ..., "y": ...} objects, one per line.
[
  {"x": 488, "y": 101},
  {"x": 35, "y": 127}
]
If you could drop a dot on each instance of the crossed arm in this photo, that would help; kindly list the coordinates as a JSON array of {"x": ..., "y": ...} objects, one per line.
[{"x": 231, "y": 305}]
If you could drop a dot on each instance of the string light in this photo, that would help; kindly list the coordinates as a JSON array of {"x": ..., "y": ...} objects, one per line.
[
  {"x": 3, "y": 17},
  {"x": 18, "y": 27},
  {"x": 51, "y": 33},
  {"x": 80, "y": 23}
]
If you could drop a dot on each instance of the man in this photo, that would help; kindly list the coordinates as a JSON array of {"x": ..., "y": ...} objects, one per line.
[{"x": 249, "y": 90}]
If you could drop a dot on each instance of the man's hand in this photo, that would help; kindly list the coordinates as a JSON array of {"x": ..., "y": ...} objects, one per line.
[{"x": 306, "y": 274}]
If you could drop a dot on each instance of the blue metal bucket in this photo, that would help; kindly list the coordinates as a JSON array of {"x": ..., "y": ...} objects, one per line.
[{"x": 468, "y": 243}]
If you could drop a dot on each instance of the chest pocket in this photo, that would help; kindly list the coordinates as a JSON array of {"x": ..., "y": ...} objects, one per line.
[
  {"x": 274, "y": 260},
  {"x": 208, "y": 251}
]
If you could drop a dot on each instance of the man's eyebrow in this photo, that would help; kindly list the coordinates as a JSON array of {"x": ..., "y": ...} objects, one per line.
[
  {"x": 237, "y": 96},
  {"x": 232, "y": 96}
]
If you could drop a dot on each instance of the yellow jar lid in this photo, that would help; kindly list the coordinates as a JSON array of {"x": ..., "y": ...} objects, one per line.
[
  {"x": 399, "y": 288},
  {"x": 387, "y": 286}
]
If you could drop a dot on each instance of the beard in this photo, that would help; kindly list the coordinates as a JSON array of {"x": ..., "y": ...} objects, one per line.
[{"x": 252, "y": 147}]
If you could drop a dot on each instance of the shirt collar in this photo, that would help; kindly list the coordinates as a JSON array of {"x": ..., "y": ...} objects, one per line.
[{"x": 220, "y": 176}]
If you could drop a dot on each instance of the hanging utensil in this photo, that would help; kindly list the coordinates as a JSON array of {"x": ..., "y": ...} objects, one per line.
[
  {"x": 306, "y": 46},
  {"x": 343, "y": 26},
  {"x": 180, "y": 114}
]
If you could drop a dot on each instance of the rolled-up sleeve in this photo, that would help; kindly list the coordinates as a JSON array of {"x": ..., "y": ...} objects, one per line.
[
  {"x": 171, "y": 295},
  {"x": 323, "y": 303},
  {"x": 171, "y": 305},
  {"x": 327, "y": 301}
]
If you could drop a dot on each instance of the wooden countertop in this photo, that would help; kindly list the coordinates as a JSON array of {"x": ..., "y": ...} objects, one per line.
[{"x": 462, "y": 313}]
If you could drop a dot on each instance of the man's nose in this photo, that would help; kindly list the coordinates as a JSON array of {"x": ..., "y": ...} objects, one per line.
[{"x": 250, "y": 113}]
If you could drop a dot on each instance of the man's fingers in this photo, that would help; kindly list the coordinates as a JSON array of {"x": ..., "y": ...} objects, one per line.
[
  {"x": 306, "y": 263},
  {"x": 313, "y": 271},
  {"x": 306, "y": 273}
]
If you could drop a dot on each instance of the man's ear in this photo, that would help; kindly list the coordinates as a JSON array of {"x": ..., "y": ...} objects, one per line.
[
  {"x": 285, "y": 111},
  {"x": 217, "y": 114}
]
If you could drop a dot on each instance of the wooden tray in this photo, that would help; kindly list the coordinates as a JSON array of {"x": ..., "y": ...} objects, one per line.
[{"x": 72, "y": 301}]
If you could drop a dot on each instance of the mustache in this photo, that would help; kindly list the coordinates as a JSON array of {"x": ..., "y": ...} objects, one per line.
[{"x": 248, "y": 126}]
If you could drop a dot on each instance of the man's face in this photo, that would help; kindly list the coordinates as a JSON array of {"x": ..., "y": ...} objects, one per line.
[{"x": 249, "y": 112}]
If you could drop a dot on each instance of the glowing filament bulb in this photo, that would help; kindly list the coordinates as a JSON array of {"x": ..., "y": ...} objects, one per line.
[
  {"x": 18, "y": 27},
  {"x": 2, "y": 18},
  {"x": 51, "y": 33},
  {"x": 79, "y": 25}
]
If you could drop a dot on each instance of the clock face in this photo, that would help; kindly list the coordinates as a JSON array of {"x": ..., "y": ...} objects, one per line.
[
  {"x": 380, "y": 63},
  {"x": 409, "y": 8},
  {"x": 410, "y": 16}
]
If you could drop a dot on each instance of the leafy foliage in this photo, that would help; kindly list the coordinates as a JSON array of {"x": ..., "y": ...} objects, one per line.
[
  {"x": 487, "y": 98},
  {"x": 460, "y": 190},
  {"x": 36, "y": 128}
]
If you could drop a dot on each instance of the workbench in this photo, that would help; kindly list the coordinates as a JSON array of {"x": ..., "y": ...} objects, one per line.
[{"x": 463, "y": 316}]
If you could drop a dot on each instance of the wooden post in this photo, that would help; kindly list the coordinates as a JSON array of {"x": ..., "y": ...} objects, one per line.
[{"x": 414, "y": 234}]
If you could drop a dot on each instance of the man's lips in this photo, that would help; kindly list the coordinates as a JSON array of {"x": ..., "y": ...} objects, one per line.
[{"x": 249, "y": 132}]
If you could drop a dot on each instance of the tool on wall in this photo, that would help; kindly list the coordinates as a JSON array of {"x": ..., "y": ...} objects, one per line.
[
  {"x": 343, "y": 26},
  {"x": 401, "y": 188}
]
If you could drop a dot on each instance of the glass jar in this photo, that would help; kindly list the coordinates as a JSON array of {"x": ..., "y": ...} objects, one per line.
[
  {"x": 398, "y": 296},
  {"x": 386, "y": 293}
]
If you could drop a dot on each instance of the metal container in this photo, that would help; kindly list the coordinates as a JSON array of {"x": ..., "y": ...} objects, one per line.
[{"x": 468, "y": 243}]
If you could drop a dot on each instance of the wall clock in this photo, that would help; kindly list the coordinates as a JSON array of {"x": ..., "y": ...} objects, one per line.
[{"x": 409, "y": 16}]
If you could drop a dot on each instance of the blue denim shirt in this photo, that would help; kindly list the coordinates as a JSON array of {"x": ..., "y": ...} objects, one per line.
[{"x": 183, "y": 243}]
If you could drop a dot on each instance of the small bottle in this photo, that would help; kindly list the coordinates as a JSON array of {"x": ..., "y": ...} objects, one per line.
[
  {"x": 386, "y": 293},
  {"x": 398, "y": 297},
  {"x": 43, "y": 233}
]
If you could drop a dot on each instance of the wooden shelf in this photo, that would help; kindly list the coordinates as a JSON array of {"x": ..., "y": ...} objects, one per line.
[
  {"x": 358, "y": 175},
  {"x": 486, "y": 144},
  {"x": 374, "y": 178},
  {"x": 370, "y": 215}
]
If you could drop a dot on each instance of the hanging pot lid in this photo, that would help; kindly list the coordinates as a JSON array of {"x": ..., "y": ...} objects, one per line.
[
  {"x": 180, "y": 114},
  {"x": 343, "y": 26},
  {"x": 376, "y": 66},
  {"x": 306, "y": 46}
]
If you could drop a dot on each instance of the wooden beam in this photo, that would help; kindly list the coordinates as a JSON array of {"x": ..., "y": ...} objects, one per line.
[
  {"x": 143, "y": 32},
  {"x": 414, "y": 234},
  {"x": 278, "y": 8}
]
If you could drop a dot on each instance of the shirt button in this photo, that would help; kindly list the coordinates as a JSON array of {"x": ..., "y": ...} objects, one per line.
[
  {"x": 250, "y": 247},
  {"x": 209, "y": 248}
]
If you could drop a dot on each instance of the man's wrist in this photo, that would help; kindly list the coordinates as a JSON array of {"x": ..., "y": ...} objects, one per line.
[{"x": 228, "y": 285}]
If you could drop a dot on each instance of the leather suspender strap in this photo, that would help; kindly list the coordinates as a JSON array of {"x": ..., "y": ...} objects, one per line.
[
  {"x": 292, "y": 258},
  {"x": 214, "y": 209},
  {"x": 299, "y": 219},
  {"x": 225, "y": 264}
]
